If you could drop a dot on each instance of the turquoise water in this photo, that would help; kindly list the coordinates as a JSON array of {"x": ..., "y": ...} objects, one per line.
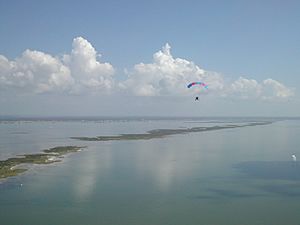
[{"x": 233, "y": 176}]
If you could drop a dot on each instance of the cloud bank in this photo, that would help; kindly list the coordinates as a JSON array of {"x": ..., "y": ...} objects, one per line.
[
  {"x": 167, "y": 75},
  {"x": 82, "y": 72},
  {"x": 39, "y": 72}
]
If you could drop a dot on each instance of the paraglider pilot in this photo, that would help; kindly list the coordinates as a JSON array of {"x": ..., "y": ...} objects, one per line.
[{"x": 197, "y": 99}]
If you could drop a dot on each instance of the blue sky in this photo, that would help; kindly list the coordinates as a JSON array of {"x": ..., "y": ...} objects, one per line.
[{"x": 255, "y": 40}]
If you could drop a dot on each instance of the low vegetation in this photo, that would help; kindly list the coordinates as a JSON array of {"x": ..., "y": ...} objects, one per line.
[
  {"x": 13, "y": 166},
  {"x": 160, "y": 133}
]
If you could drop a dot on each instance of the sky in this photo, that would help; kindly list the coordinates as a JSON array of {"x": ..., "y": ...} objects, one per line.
[{"x": 136, "y": 58}]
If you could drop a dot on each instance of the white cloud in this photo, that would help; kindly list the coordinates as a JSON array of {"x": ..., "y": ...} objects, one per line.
[
  {"x": 35, "y": 71},
  {"x": 88, "y": 72},
  {"x": 167, "y": 76},
  {"x": 268, "y": 89},
  {"x": 40, "y": 72},
  {"x": 82, "y": 72},
  {"x": 244, "y": 88},
  {"x": 274, "y": 89}
]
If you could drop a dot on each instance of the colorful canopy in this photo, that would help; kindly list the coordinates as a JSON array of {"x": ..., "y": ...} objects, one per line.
[{"x": 199, "y": 83}]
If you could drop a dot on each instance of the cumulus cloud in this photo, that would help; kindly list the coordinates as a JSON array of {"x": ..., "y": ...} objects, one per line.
[
  {"x": 81, "y": 71},
  {"x": 87, "y": 71},
  {"x": 36, "y": 71},
  {"x": 268, "y": 89},
  {"x": 275, "y": 89},
  {"x": 245, "y": 88},
  {"x": 167, "y": 75},
  {"x": 40, "y": 72}
]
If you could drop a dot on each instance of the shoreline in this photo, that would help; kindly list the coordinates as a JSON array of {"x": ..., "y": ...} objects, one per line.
[
  {"x": 15, "y": 165},
  {"x": 161, "y": 133}
]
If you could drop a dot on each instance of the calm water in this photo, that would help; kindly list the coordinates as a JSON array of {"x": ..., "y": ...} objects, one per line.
[{"x": 233, "y": 176}]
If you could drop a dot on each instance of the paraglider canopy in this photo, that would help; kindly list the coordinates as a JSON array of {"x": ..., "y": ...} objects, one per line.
[{"x": 197, "y": 83}]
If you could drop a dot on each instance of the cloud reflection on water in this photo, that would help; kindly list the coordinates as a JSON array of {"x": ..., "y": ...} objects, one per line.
[{"x": 88, "y": 172}]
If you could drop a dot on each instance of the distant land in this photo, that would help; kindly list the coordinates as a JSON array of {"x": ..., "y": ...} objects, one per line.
[
  {"x": 138, "y": 117},
  {"x": 160, "y": 133},
  {"x": 13, "y": 166}
]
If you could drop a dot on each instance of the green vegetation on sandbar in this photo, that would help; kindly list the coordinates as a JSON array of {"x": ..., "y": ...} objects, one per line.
[
  {"x": 160, "y": 133},
  {"x": 10, "y": 167}
]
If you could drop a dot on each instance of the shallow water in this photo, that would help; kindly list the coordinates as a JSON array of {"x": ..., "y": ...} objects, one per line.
[{"x": 234, "y": 176}]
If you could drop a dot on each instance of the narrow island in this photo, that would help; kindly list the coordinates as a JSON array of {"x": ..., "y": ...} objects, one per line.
[
  {"x": 13, "y": 166},
  {"x": 160, "y": 133}
]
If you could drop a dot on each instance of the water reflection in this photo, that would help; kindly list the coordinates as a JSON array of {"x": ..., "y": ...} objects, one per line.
[
  {"x": 84, "y": 181},
  {"x": 181, "y": 179},
  {"x": 88, "y": 171}
]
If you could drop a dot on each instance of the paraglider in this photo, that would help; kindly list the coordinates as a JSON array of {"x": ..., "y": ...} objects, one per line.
[{"x": 197, "y": 83}]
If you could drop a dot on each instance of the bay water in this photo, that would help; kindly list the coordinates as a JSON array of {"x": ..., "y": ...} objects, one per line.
[{"x": 222, "y": 177}]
